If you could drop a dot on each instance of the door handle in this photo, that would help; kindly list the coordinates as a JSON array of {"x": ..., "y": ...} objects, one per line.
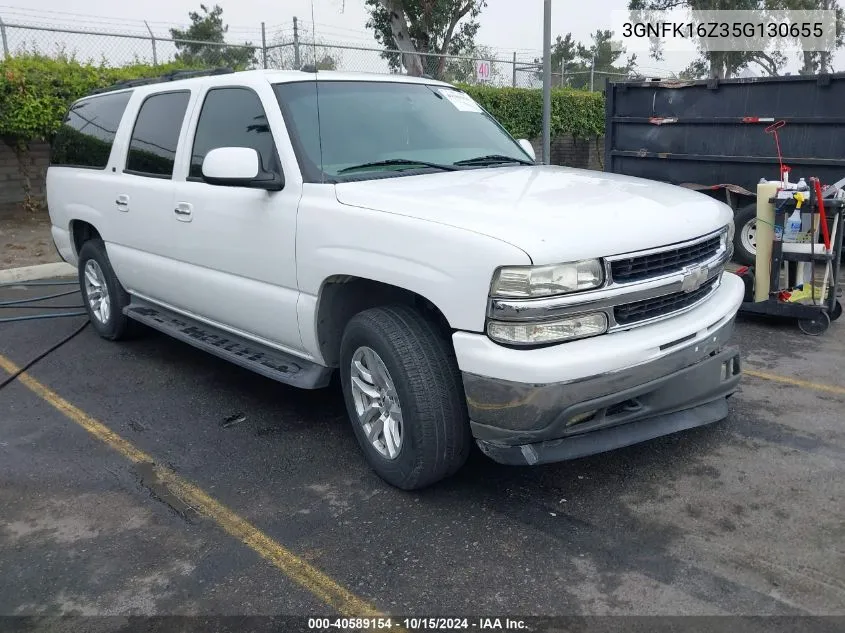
[
  {"x": 122, "y": 202},
  {"x": 183, "y": 211}
]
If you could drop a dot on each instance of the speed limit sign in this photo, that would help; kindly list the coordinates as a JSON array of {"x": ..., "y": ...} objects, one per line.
[{"x": 482, "y": 70}]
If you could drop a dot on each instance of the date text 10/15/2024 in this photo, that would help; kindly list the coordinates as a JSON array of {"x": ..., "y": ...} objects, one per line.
[{"x": 417, "y": 624}]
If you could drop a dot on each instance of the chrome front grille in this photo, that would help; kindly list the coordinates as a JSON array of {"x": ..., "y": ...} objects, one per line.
[
  {"x": 655, "y": 264},
  {"x": 650, "y": 309},
  {"x": 640, "y": 287}
]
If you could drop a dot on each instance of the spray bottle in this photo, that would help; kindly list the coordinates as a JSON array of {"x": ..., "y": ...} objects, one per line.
[{"x": 792, "y": 227}]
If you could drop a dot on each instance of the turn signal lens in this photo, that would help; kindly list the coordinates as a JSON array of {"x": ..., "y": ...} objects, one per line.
[{"x": 557, "y": 331}]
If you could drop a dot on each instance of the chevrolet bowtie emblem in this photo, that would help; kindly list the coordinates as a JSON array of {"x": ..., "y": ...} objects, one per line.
[{"x": 694, "y": 277}]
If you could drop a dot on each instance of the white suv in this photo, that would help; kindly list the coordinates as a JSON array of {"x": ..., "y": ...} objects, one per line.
[{"x": 297, "y": 223}]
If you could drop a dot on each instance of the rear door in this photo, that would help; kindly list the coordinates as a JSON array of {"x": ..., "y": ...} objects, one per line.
[
  {"x": 143, "y": 198},
  {"x": 82, "y": 176}
]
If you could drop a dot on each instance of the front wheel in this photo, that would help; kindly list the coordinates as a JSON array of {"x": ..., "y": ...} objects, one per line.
[{"x": 405, "y": 397}]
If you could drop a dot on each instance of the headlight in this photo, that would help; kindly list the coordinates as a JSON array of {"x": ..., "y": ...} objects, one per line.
[
  {"x": 527, "y": 282},
  {"x": 580, "y": 326},
  {"x": 731, "y": 231}
]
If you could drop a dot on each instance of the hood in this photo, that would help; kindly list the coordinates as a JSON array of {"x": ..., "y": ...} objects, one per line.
[{"x": 552, "y": 213}]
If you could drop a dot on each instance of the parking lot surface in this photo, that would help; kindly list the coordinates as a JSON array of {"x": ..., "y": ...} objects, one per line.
[{"x": 271, "y": 509}]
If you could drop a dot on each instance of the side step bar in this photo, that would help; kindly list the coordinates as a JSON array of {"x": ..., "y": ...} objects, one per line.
[{"x": 259, "y": 358}]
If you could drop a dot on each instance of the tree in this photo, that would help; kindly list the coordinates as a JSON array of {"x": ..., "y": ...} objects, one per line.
[
  {"x": 564, "y": 56},
  {"x": 601, "y": 59},
  {"x": 462, "y": 70},
  {"x": 814, "y": 62},
  {"x": 282, "y": 54},
  {"x": 726, "y": 64},
  {"x": 411, "y": 30},
  {"x": 209, "y": 27}
]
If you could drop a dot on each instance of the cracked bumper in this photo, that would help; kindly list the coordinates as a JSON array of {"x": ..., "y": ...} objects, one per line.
[{"x": 518, "y": 423}]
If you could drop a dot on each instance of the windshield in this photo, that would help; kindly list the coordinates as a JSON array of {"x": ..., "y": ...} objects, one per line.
[{"x": 374, "y": 129}]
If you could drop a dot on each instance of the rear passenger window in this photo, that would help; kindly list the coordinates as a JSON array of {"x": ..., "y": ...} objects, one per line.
[
  {"x": 87, "y": 134},
  {"x": 152, "y": 149},
  {"x": 232, "y": 117}
]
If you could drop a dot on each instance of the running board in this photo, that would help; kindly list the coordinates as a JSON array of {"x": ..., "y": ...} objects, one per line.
[{"x": 259, "y": 358}]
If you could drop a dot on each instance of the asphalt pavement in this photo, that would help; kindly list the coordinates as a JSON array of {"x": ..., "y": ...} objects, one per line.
[{"x": 745, "y": 517}]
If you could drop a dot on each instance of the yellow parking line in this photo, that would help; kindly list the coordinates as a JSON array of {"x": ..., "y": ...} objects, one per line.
[
  {"x": 306, "y": 575},
  {"x": 796, "y": 382}
]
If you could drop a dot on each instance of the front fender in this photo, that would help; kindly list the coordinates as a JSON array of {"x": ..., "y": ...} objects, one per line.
[{"x": 449, "y": 266}]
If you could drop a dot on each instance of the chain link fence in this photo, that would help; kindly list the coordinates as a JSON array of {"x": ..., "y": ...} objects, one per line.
[{"x": 277, "y": 48}]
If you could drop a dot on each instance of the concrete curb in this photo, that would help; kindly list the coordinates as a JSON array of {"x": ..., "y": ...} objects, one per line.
[{"x": 33, "y": 273}]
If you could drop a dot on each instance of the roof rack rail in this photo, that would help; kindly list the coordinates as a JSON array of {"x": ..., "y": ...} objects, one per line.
[{"x": 175, "y": 75}]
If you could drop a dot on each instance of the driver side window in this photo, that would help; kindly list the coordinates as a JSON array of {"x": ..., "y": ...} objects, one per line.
[{"x": 233, "y": 117}]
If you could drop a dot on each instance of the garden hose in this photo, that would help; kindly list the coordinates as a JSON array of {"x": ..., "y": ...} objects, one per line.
[{"x": 24, "y": 304}]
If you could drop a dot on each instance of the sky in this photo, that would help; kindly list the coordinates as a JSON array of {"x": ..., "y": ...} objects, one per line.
[{"x": 507, "y": 26}]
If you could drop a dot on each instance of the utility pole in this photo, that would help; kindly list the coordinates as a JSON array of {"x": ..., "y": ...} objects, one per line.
[
  {"x": 592, "y": 73},
  {"x": 6, "y": 43},
  {"x": 514, "y": 69},
  {"x": 296, "y": 60},
  {"x": 153, "y": 40},
  {"x": 264, "y": 45},
  {"x": 547, "y": 82}
]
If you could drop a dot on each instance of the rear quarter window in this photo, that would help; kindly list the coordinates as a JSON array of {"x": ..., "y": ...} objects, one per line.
[{"x": 87, "y": 133}]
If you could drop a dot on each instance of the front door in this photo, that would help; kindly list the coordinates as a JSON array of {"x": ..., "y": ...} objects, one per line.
[{"x": 232, "y": 249}]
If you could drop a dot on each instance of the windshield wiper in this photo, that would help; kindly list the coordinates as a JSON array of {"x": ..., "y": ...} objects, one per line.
[
  {"x": 493, "y": 159},
  {"x": 398, "y": 161}
]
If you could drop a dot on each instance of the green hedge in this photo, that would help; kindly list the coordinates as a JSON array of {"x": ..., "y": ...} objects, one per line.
[
  {"x": 35, "y": 92},
  {"x": 520, "y": 110}
]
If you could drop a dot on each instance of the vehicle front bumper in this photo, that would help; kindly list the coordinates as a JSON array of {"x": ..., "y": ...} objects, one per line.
[{"x": 685, "y": 386}]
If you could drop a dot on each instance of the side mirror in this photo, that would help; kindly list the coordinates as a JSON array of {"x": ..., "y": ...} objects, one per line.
[
  {"x": 238, "y": 167},
  {"x": 526, "y": 145}
]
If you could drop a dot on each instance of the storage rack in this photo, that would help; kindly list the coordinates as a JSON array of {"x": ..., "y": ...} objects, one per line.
[{"x": 813, "y": 319}]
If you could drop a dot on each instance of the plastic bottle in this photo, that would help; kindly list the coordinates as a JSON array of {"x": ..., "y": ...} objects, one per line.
[
  {"x": 793, "y": 227},
  {"x": 802, "y": 185}
]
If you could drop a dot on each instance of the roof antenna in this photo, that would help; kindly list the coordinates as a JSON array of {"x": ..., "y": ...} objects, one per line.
[
  {"x": 314, "y": 37},
  {"x": 317, "y": 92}
]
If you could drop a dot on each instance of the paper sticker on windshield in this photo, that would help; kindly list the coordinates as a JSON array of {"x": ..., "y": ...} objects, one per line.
[{"x": 460, "y": 100}]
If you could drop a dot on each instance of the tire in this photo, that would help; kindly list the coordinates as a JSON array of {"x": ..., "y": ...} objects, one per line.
[
  {"x": 113, "y": 324},
  {"x": 745, "y": 221},
  {"x": 426, "y": 388}
]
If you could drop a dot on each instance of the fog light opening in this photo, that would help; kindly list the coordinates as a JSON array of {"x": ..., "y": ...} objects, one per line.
[
  {"x": 580, "y": 418},
  {"x": 730, "y": 368}
]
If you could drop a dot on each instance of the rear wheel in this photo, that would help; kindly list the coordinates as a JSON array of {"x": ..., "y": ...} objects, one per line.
[
  {"x": 404, "y": 396},
  {"x": 745, "y": 237},
  {"x": 102, "y": 293}
]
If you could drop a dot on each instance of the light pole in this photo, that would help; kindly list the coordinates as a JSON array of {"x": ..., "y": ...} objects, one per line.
[{"x": 547, "y": 82}]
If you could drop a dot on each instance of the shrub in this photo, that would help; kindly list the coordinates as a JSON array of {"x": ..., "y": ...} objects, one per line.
[
  {"x": 35, "y": 90},
  {"x": 520, "y": 110}
]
